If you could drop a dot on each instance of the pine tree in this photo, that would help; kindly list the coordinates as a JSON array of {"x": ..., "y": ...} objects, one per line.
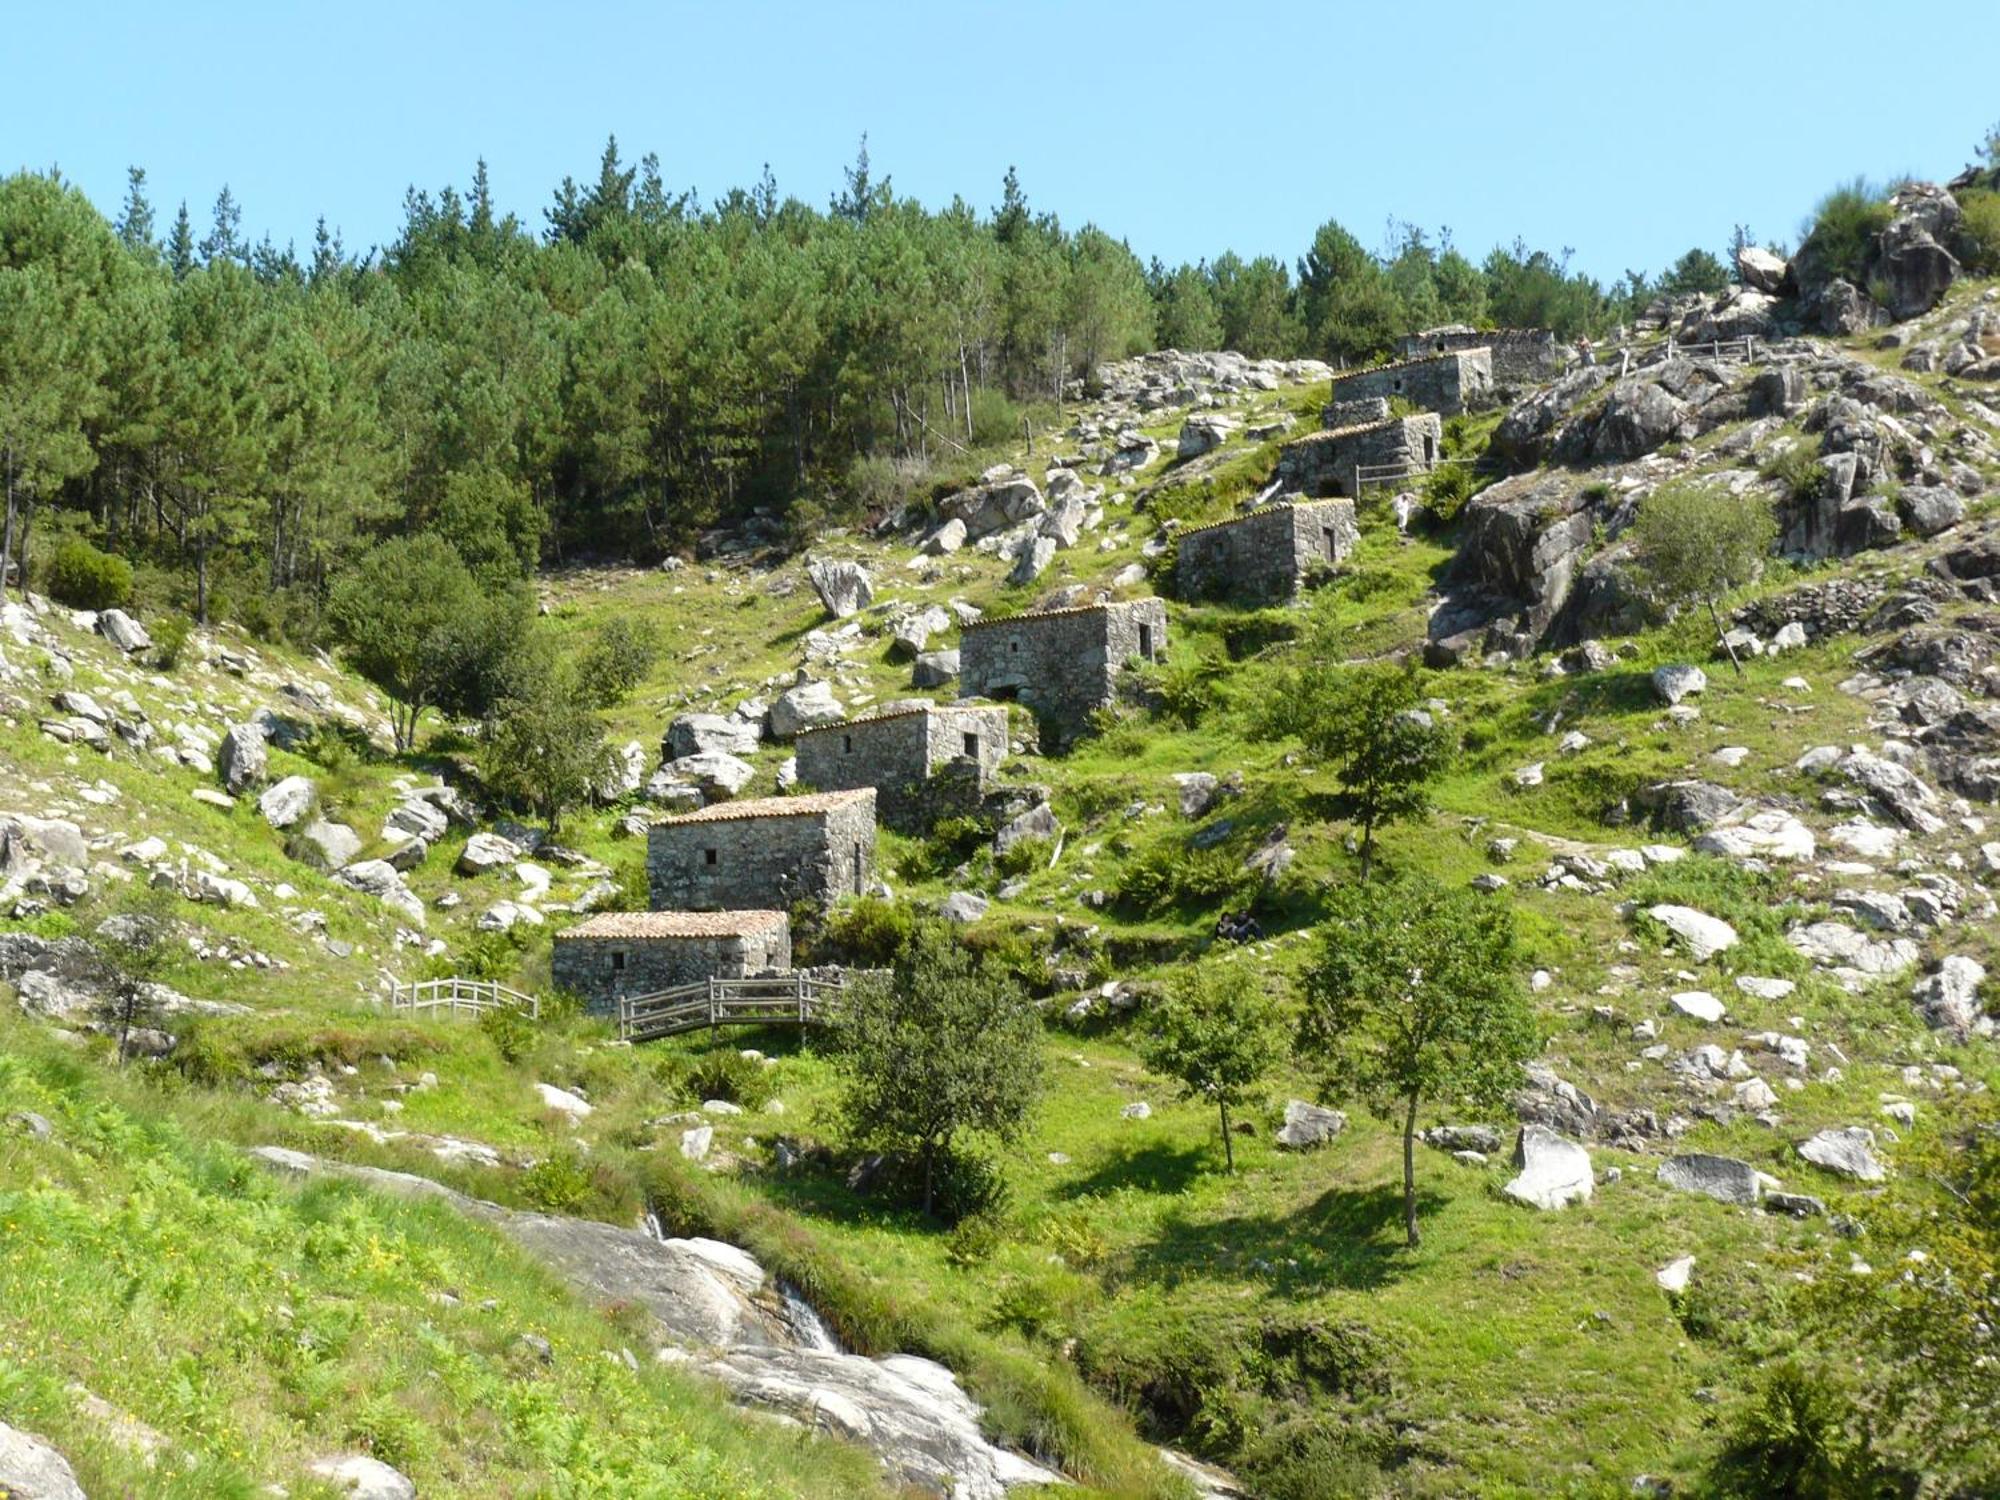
[
  {"x": 135, "y": 224},
  {"x": 225, "y": 235},
  {"x": 180, "y": 247}
]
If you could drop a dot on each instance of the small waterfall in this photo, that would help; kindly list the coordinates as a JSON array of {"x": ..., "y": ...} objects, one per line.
[
  {"x": 1266, "y": 493},
  {"x": 652, "y": 1227},
  {"x": 806, "y": 1324}
]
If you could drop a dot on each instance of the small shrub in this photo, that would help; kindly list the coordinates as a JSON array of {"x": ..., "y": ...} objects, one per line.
[
  {"x": 869, "y": 932},
  {"x": 728, "y": 1074},
  {"x": 512, "y": 1031},
  {"x": 85, "y": 578},
  {"x": 1447, "y": 488},
  {"x": 1020, "y": 858},
  {"x": 1188, "y": 691},
  {"x": 1170, "y": 875},
  {"x": 560, "y": 1183},
  {"x": 1979, "y": 230},
  {"x": 1844, "y": 225},
  {"x": 170, "y": 638},
  {"x": 995, "y": 419}
]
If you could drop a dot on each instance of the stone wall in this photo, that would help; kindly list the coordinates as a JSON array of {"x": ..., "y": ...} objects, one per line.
[
  {"x": 1522, "y": 358},
  {"x": 1323, "y": 463},
  {"x": 768, "y": 854},
  {"x": 896, "y": 752},
  {"x": 603, "y": 970},
  {"x": 1449, "y": 383},
  {"x": 1064, "y": 663},
  {"x": 1266, "y": 556}
]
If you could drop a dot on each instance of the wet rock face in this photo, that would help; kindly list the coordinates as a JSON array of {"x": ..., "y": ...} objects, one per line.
[{"x": 721, "y": 1314}]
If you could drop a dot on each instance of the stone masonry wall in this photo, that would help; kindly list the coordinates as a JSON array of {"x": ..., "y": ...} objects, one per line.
[
  {"x": 897, "y": 753},
  {"x": 587, "y": 966},
  {"x": 1064, "y": 664},
  {"x": 762, "y": 863},
  {"x": 1460, "y": 380},
  {"x": 1266, "y": 556},
  {"x": 1323, "y": 463},
  {"x": 1521, "y": 357}
]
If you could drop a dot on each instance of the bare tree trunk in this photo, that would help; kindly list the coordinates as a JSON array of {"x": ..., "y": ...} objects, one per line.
[
  {"x": 1410, "y": 1173},
  {"x": 1228, "y": 1144},
  {"x": 1367, "y": 847},
  {"x": 7, "y": 534},
  {"x": 1716, "y": 619}
]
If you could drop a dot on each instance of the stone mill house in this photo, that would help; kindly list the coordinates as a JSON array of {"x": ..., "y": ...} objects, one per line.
[
  {"x": 1265, "y": 556},
  {"x": 1062, "y": 663},
  {"x": 924, "y": 760},
  {"x": 617, "y": 954},
  {"x": 767, "y": 853}
]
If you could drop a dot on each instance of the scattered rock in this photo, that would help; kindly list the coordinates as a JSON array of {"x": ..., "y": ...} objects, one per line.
[
  {"x": 364, "y": 1478},
  {"x": 243, "y": 761},
  {"x": 1849, "y": 1152},
  {"x": 285, "y": 802},
  {"x": 1673, "y": 683},
  {"x": 1555, "y": 1171},
  {"x": 1673, "y": 1277},
  {"x": 1722, "y": 1178},
  {"x": 844, "y": 587},
  {"x": 1309, "y": 1125},
  {"x": 1701, "y": 935},
  {"x": 32, "y": 1470}
]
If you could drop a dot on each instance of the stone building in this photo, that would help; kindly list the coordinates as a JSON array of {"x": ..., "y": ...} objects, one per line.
[
  {"x": 902, "y": 752},
  {"x": 764, "y": 854},
  {"x": 1062, "y": 663},
  {"x": 1264, "y": 557},
  {"x": 1336, "y": 461},
  {"x": 620, "y": 953},
  {"x": 1522, "y": 358},
  {"x": 1449, "y": 383}
]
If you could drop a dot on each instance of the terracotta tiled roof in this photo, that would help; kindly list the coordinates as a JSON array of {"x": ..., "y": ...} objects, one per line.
[
  {"x": 676, "y": 924},
  {"x": 807, "y": 805},
  {"x": 1262, "y": 510},
  {"x": 1056, "y": 614},
  {"x": 1357, "y": 429},
  {"x": 1414, "y": 359},
  {"x": 892, "y": 713}
]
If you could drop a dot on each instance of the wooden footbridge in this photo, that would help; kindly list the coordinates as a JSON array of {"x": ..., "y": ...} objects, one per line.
[
  {"x": 460, "y": 997},
  {"x": 800, "y": 998}
]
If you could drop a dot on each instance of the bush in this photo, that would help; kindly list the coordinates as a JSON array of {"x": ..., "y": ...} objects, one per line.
[
  {"x": 1170, "y": 875},
  {"x": 84, "y": 578},
  {"x": 1844, "y": 225},
  {"x": 512, "y": 1031},
  {"x": 170, "y": 638},
  {"x": 560, "y": 1183},
  {"x": 728, "y": 1074},
  {"x": 1979, "y": 230},
  {"x": 1447, "y": 488},
  {"x": 1799, "y": 470},
  {"x": 995, "y": 419},
  {"x": 868, "y": 933},
  {"x": 883, "y": 485}
]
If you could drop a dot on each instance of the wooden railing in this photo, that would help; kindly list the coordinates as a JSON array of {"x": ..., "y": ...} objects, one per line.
[
  {"x": 455, "y": 997},
  {"x": 798, "y": 999}
]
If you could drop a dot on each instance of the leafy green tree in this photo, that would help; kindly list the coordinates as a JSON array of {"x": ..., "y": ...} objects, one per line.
[
  {"x": 618, "y": 660},
  {"x": 1187, "y": 316},
  {"x": 180, "y": 244},
  {"x": 1413, "y": 997},
  {"x": 395, "y": 614},
  {"x": 1694, "y": 544},
  {"x": 1696, "y": 271},
  {"x": 1370, "y": 726},
  {"x": 946, "y": 1045},
  {"x": 544, "y": 741},
  {"x": 1219, "y": 1035}
]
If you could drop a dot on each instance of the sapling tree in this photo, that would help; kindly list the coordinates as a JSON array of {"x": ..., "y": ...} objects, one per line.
[
  {"x": 1412, "y": 997},
  {"x": 1368, "y": 723},
  {"x": 1695, "y": 544},
  {"x": 135, "y": 943},
  {"x": 945, "y": 1045},
  {"x": 1218, "y": 1034}
]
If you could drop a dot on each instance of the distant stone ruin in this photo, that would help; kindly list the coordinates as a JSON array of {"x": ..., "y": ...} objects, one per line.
[
  {"x": 1344, "y": 459},
  {"x": 1266, "y": 556},
  {"x": 1522, "y": 358},
  {"x": 1455, "y": 381},
  {"x": 1062, "y": 663}
]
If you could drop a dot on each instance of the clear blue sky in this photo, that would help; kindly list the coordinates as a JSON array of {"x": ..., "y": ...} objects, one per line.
[{"x": 1628, "y": 130}]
